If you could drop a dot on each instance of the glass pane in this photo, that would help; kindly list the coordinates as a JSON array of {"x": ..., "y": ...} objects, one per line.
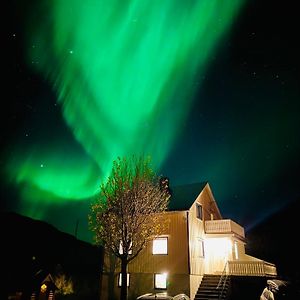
[
  {"x": 161, "y": 281},
  {"x": 160, "y": 246},
  {"x": 120, "y": 279}
]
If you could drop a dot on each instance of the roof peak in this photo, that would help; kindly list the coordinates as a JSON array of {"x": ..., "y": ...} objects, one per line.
[{"x": 183, "y": 196}]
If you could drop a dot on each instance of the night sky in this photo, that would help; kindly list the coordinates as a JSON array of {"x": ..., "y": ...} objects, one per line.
[{"x": 209, "y": 89}]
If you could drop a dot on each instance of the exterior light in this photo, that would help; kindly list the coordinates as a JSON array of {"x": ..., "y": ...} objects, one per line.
[{"x": 43, "y": 288}]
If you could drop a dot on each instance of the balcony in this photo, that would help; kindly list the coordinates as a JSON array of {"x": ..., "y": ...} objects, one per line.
[{"x": 224, "y": 226}]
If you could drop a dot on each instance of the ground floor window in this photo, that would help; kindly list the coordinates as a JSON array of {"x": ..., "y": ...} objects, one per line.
[
  {"x": 199, "y": 248},
  {"x": 236, "y": 252},
  {"x": 160, "y": 281},
  {"x": 120, "y": 279}
]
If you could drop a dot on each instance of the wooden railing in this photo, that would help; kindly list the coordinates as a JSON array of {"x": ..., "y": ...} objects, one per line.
[
  {"x": 224, "y": 226},
  {"x": 251, "y": 268}
]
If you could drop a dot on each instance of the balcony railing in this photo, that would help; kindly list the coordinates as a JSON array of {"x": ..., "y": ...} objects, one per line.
[
  {"x": 224, "y": 226},
  {"x": 251, "y": 268}
]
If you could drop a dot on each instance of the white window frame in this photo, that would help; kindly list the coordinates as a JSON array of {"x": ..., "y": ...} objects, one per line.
[
  {"x": 199, "y": 211},
  {"x": 236, "y": 250},
  {"x": 160, "y": 249},
  {"x": 121, "y": 248},
  {"x": 120, "y": 279},
  {"x": 160, "y": 277},
  {"x": 200, "y": 244}
]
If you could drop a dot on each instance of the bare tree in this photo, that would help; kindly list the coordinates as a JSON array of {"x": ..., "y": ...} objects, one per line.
[{"x": 127, "y": 213}]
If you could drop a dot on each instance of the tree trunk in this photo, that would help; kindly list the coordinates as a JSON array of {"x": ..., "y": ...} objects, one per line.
[{"x": 123, "y": 295}]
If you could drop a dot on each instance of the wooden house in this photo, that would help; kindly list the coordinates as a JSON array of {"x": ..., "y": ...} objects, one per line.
[
  {"x": 44, "y": 287},
  {"x": 197, "y": 243}
]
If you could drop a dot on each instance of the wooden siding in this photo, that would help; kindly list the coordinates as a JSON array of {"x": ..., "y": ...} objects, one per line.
[
  {"x": 196, "y": 237},
  {"x": 196, "y": 246},
  {"x": 195, "y": 281},
  {"x": 176, "y": 261},
  {"x": 210, "y": 207},
  {"x": 142, "y": 283},
  {"x": 196, "y": 229},
  {"x": 240, "y": 248}
]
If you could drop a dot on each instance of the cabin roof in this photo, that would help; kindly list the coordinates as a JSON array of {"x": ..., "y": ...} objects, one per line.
[{"x": 183, "y": 196}]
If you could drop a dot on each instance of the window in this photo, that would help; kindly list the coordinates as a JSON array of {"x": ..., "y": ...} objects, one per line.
[
  {"x": 160, "y": 245},
  {"x": 200, "y": 248},
  {"x": 199, "y": 211},
  {"x": 160, "y": 281},
  {"x": 121, "y": 248},
  {"x": 120, "y": 279},
  {"x": 236, "y": 252}
]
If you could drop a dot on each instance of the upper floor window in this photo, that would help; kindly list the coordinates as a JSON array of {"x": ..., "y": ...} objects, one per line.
[
  {"x": 199, "y": 211},
  {"x": 121, "y": 248},
  {"x": 160, "y": 245}
]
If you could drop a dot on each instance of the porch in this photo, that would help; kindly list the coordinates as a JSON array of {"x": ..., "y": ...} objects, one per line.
[{"x": 251, "y": 268}]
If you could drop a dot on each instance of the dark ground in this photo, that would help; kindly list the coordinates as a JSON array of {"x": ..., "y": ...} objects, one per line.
[{"x": 29, "y": 246}]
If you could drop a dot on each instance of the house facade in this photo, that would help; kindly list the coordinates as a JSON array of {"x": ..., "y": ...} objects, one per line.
[{"x": 197, "y": 241}]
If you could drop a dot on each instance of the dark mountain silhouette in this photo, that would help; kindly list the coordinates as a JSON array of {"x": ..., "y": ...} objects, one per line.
[
  {"x": 276, "y": 240},
  {"x": 29, "y": 246}
]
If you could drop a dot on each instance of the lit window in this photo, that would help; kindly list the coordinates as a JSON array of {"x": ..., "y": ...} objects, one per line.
[
  {"x": 199, "y": 211},
  {"x": 121, "y": 248},
  {"x": 43, "y": 288},
  {"x": 160, "y": 281},
  {"x": 160, "y": 245},
  {"x": 236, "y": 253},
  {"x": 120, "y": 279}
]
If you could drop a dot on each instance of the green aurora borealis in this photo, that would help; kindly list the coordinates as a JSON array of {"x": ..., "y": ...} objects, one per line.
[
  {"x": 209, "y": 89},
  {"x": 125, "y": 73}
]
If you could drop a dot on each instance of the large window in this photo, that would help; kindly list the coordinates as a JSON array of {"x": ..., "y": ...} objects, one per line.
[
  {"x": 120, "y": 279},
  {"x": 160, "y": 245},
  {"x": 160, "y": 281},
  {"x": 199, "y": 211}
]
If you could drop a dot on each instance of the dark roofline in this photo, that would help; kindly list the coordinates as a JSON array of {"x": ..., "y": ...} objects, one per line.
[{"x": 183, "y": 196}]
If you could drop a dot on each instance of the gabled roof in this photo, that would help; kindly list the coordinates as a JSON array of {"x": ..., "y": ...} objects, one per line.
[
  {"x": 183, "y": 196},
  {"x": 43, "y": 276}
]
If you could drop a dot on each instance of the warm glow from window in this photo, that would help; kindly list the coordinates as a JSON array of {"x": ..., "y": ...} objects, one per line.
[
  {"x": 121, "y": 248},
  {"x": 160, "y": 245},
  {"x": 236, "y": 253},
  {"x": 160, "y": 281},
  {"x": 43, "y": 288},
  {"x": 120, "y": 279},
  {"x": 218, "y": 247}
]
